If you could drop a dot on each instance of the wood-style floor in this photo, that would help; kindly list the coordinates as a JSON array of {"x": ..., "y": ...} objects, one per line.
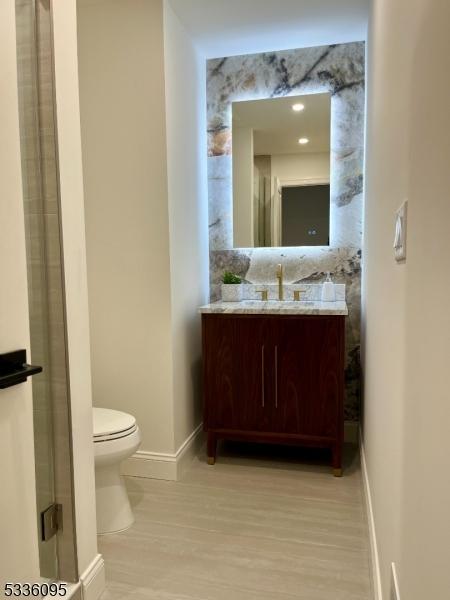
[{"x": 259, "y": 525}]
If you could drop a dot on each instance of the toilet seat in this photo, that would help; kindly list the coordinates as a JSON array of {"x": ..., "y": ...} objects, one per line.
[{"x": 112, "y": 424}]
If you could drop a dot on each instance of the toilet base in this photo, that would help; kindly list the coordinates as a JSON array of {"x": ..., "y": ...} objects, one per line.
[{"x": 114, "y": 512}]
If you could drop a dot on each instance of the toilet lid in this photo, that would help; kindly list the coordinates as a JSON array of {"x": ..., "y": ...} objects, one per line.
[{"x": 109, "y": 424}]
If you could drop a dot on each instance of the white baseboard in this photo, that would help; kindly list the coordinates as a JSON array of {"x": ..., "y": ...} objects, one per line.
[
  {"x": 151, "y": 465},
  {"x": 189, "y": 450},
  {"x": 73, "y": 591},
  {"x": 395, "y": 590},
  {"x": 93, "y": 579},
  {"x": 157, "y": 465},
  {"x": 375, "y": 561}
]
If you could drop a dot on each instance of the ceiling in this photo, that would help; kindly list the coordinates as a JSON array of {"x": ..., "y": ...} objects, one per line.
[
  {"x": 230, "y": 27},
  {"x": 277, "y": 128}
]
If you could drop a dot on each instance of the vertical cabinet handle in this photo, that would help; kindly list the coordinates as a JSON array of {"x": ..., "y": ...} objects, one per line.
[
  {"x": 276, "y": 376},
  {"x": 262, "y": 376}
]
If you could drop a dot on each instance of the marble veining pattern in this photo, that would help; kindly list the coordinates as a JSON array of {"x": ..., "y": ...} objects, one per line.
[
  {"x": 310, "y": 292},
  {"x": 271, "y": 307},
  {"x": 338, "y": 69}
]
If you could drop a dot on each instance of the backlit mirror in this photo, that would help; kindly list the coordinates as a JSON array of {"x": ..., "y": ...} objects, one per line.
[{"x": 281, "y": 172}]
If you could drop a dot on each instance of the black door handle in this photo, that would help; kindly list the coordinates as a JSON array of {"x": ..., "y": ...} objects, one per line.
[{"x": 14, "y": 368}]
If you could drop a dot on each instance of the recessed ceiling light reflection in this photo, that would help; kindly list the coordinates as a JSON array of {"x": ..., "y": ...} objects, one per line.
[
  {"x": 303, "y": 141},
  {"x": 298, "y": 107}
]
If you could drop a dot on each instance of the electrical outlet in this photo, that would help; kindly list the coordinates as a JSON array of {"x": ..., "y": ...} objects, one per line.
[{"x": 395, "y": 593}]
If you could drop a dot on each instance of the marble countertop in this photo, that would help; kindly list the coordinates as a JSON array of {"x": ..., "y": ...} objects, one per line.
[{"x": 275, "y": 307}]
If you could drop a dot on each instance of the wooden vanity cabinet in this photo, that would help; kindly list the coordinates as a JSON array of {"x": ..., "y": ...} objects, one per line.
[{"x": 274, "y": 378}]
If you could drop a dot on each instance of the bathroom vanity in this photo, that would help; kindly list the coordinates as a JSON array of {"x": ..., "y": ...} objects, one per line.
[{"x": 274, "y": 373}]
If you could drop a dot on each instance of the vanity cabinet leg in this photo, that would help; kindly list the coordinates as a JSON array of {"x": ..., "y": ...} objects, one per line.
[
  {"x": 212, "y": 448},
  {"x": 337, "y": 460}
]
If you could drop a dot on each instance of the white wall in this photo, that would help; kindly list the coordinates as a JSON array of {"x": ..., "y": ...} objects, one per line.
[
  {"x": 230, "y": 27},
  {"x": 188, "y": 216},
  {"x": 294, "y": 167},
  {"x": 383, "y": 318},
  {"x": 405, "y": 307},
  {"x": 122, "y": 95},
  {"x": 19, "y": 560},
  {"x": 75, "y": 278},
  {"x": 243, "y": 177},
  {"x": 143, "y": 105}
]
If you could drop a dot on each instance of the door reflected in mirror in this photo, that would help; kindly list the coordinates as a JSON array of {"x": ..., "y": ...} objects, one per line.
[{"x": 281, "y": 172}]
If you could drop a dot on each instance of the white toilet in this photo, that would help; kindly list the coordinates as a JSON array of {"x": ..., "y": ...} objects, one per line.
[{"x": 116, "y": 438}]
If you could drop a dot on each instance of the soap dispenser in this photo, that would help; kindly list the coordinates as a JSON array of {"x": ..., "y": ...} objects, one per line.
[{"x": 328, "y": 291}]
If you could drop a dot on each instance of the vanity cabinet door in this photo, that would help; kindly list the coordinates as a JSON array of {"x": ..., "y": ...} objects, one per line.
[
  {"x": 235, "y": 354},
  {"x": 254, "y": 373},
  {"x": 309, "y": 375}
]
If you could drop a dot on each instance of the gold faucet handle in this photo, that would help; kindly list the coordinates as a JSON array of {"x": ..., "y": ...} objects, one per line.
[
  {"x": 264, "y": 294},
  {"x": 297, "y": 294},
  {"x": 279, "y": 271}
]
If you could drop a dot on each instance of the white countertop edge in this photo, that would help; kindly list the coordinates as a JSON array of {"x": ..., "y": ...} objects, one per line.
[{"x": 256, "y": 307}]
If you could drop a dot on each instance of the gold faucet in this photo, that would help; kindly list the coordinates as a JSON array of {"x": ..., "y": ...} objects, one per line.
[
  {"x": 280, "y": 282},
  {"x": 264, "y": 295}
]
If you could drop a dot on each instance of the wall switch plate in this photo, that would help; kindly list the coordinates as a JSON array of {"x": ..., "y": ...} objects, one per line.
[
  {"x": 400, "y": 233},
  {"x": 395, "y": 593}
]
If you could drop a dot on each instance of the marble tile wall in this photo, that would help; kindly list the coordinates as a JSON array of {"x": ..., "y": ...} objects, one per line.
[
  {"x": 310, "y": 292},
  {"x": 338, "y": 69}
]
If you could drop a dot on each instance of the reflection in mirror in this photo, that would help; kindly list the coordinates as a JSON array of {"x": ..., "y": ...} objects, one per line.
[{"x": 281, "y": 172}]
